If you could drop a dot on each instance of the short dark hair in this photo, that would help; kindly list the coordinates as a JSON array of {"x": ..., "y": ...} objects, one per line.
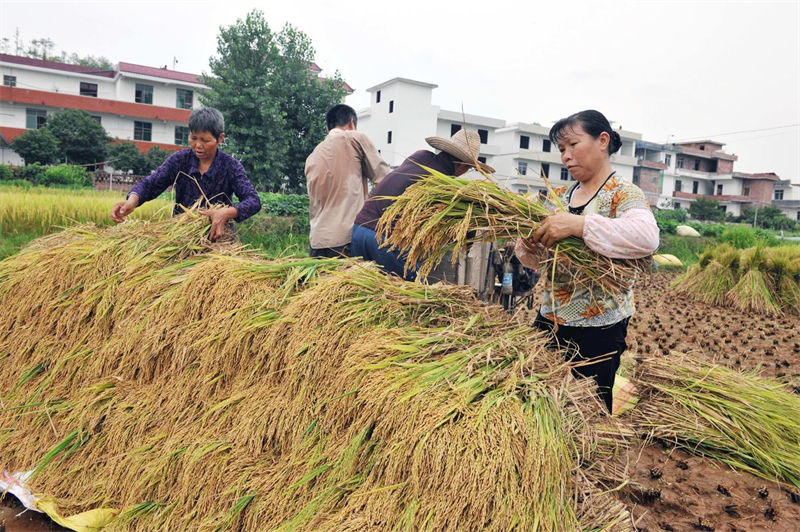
[
  {"x": 593, "y": 122},
  {"x": 207, "y": 119},
  {"x": 340, "y": 115}
]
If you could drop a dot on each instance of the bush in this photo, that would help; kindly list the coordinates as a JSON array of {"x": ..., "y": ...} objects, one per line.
[
  {"x": 742, "y": 237},
  {"x": 706, "y": 209},
  {"x": 712, "y": 230},
  {"x": 20, "y": 183},
  {"x": 667, "y": 227},
  {"x": 37, "y": 146},
  {"x": 6, "y": 173},
  {"x": 675, "y": 215},
  {"x": 32, "y": 172},
  {"x": 65, "y": 174}
]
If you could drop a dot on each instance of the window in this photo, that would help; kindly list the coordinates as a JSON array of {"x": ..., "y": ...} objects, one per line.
[
  {"x": 695, "y": 186},
  {"x": 779, "y": 194},
  {"x": 97, "y": 118},
  {"x": 181, "y": 135},
  {"x": 184, "y": 99},
  {"x": 703, "y": 147},
  {"x": 89, "y": 89},
  {"x": 10, "y": 81},
  {"x": 798, "y": 215},
  {"x": 546, "y": 145},
  {"x": 389, "y": 138},
  {"x": 564, "y": 174},
  {"x": 144, "y": 93},
  {"x": 35, "y": 118},
  {"x": 679, "y": 162},
  {"x": 378, "y": 97},
  {"x": 719, "y": 190},
  {"x": 668, "y": 159},
  {"x": 546, "y": 169},
  {"x": 697, "y": 165},
  {"x": 524, "y": 142},
  {"x": 454, "y": 128},
  {"x": 522, "y": 167},
  {"x": 746, "y": 191},
  {"x": 391, "y": 106},
  {"x": 484, "y": 135},
  {"x": 482, "y": 159},
  {"x": 678, "y": 185},
  {"x": 677, "y": 206},
  {"x": 142, "y": 131}
]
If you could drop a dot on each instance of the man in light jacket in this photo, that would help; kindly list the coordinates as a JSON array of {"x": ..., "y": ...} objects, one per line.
[{"x": 337, "y": 175}]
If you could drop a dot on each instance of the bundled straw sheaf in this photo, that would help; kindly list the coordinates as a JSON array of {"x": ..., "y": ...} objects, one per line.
[
  {"x": 440, "y": 213},
  {"x": 762, "y": 280},
  {"x": 743, "y": 420},
  {"x": 190, "y": 386}
]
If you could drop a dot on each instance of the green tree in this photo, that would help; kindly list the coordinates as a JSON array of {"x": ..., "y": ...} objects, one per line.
[
  {"x": 706, "y": 209},
  {"x": 81, "y": 139},
  {"x": 154, "y": 158},
  {"x": 274, "y": 105},
  {"x": 768, "y": 216},
  {"x": 125, "y": 156},
  {"x": 37, "y": 146}
]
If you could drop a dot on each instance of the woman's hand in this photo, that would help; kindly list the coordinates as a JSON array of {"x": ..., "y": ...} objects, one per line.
[
  {"x": 124, "y": 208},
  {"x": 558, "y": 226},
  {"x": 219, "y": 218}
]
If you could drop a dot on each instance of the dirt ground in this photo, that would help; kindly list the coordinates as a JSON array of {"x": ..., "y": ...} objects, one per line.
[
  {"x": 671, "y": 490},
  {"x": 676, "y": 491}
]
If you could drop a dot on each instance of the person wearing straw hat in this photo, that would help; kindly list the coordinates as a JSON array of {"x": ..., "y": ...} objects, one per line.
[{"x": 457, "y": 155}]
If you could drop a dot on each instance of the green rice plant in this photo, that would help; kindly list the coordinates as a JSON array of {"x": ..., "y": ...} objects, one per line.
[
  {"x": 741, "y": 419},
  {"x": 39, "y": 211},
  {"x": 441, "y": 214}
]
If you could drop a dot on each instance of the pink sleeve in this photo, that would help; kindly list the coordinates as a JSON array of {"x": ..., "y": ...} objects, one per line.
[{"x": 631, "y": 236}]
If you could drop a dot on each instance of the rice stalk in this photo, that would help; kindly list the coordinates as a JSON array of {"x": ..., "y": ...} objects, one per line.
[{"x": 440, "y": 214}]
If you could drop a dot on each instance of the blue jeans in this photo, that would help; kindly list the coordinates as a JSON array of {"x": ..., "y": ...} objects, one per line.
[{"x": 365, "y": 244}]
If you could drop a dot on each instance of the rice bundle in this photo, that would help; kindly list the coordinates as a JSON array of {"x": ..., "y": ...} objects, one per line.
[
  {"x": 763, "y": 280},
  {"x": 194, "y": 387},
  {"x": 439, "y": 214},
  {"x": 743, "y": 420}
]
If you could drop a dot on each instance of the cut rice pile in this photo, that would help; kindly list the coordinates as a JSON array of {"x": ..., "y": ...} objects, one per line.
[
  {"x": 762, "y": 280},
  {"x": 191, "y": 387}
]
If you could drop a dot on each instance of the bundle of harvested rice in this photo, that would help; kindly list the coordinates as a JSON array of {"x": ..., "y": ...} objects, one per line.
[
  {"x": 192, "y": 388},
  {"x": 763, "y": 280},
  {"x": 440, "y": 213},
  {"x": 743, "y": 420}
]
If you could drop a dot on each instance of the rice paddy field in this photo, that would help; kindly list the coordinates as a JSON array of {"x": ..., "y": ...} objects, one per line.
[{"x": 327, "y": 396}]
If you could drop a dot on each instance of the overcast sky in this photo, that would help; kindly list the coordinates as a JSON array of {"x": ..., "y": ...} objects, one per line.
[{"x": 677, "y": 70}]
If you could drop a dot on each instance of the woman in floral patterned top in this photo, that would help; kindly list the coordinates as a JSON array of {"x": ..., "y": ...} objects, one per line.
[{"x": 613, "y": 219}]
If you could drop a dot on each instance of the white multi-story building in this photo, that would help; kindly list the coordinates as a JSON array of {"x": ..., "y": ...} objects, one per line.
[
  {"x": 401, "y": 115},
  {"x": 149, "y": 106},
  {"x": 786, "y": 196}
]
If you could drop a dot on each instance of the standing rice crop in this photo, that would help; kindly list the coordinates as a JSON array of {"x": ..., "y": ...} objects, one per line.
[{"x": 439, "y": 214}]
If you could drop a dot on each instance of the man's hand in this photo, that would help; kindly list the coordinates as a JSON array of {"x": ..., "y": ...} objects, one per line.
[
  {"x": 124, "y": 208},
  {"x": 558, "y": 226},
  {"x": 219, "y": 218}
]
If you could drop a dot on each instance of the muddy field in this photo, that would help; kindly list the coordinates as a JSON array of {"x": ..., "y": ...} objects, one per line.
[{"x": 671, "y": 490}]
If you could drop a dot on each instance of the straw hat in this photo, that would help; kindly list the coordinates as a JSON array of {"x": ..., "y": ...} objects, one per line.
[{"x": 464, "y": 146}]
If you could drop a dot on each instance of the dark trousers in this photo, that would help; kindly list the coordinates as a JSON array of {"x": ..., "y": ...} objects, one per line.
[
  {"x": 331, "y": 253},
  {"x": 365, "y": 245},
  {"x": 603, "y": 345}
]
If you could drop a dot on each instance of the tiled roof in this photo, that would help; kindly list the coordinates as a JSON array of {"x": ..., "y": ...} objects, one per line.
[
  {"x": 55, "y": 65},
  {"x": 159, "y": 73}
]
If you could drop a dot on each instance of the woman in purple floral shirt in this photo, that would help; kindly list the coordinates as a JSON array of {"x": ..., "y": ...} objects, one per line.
[{"x": 200, "y": 172}]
